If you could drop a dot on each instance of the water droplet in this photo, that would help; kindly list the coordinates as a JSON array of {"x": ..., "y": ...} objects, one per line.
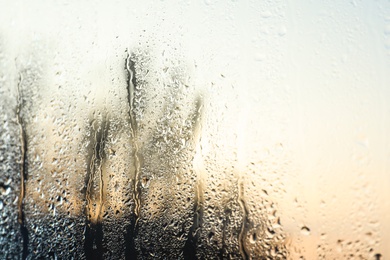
[
  {"x": 145, "y": 182},
  {"x": 305, "y": 230},
  {"x": 111, "y": 152},
  {"x": 340, "y": 245},
  {"x": 253, "y": 238},
  {"x": 5, "y": 190}
]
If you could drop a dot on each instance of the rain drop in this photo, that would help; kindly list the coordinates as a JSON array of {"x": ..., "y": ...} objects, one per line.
[{"x": 305, "y": 230}]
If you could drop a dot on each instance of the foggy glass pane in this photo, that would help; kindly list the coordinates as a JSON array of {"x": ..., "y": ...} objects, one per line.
[{"x": 194, "y": 129}]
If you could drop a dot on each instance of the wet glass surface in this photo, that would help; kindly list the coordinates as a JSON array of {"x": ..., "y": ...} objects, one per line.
[{"x": 194, "y": 130}]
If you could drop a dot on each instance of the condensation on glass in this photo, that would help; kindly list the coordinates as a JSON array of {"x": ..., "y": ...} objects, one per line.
[{"x": 194, "y": 130}]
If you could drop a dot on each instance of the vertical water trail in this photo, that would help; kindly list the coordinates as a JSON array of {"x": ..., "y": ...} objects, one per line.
[
  {"x": 101, "y": 157},
  {"x": 91, "y": 173},
  {"x": 90, "y": 227},
  {"x": 23, "y": 168},
  {"x": 95, "y": 170},
  {"x": 134, "y": 134},
  {"x": 245, "y": 220},
  {"x": 22, "y": 148},
  {"x": 191, "y": 244},
  {"x": 23, "y": 164},
  {"x": 93, "y": 246}
]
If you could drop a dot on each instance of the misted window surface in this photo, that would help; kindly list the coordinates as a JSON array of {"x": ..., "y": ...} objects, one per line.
[{"x": 195, "y": 129}]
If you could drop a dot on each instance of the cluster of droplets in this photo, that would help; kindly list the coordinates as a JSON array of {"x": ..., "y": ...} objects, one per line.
[
  {"x": 10, "y": 156},
  {"x": 263, "y": 234},
  {"x": 166, "y": 149},
  {"x": 79, "y": 196}
]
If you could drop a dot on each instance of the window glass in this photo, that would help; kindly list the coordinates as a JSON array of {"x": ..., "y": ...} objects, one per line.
[{"x": 194, "y": 129}]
